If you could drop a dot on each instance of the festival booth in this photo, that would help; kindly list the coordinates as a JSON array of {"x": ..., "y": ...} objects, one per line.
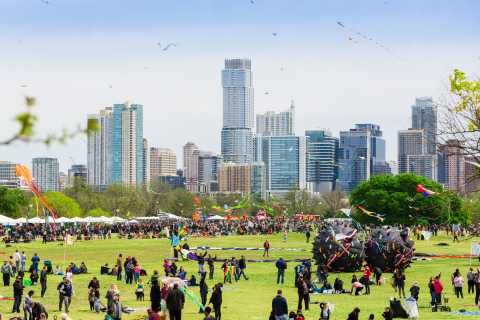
[
  {"x": 216, "y": 217},
  {"x": 7, "y": 221},
  {"x": 169, "y": 281}
]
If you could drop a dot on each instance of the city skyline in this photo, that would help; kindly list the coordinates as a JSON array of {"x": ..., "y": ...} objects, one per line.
[{"x": 68, "y": 57}]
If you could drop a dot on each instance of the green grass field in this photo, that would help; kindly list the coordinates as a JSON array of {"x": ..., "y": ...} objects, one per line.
[{"x": 253, "y": 298}]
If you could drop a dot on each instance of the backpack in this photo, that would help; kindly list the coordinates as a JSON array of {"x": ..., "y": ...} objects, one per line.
[{"x": 283, "y": 265}]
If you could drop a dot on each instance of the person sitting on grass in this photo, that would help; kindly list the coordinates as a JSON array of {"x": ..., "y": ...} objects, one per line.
[
  {"x": 57, "y": 270},
  {"x": 338, "y": 286},
  {"x": 192, "y": 282}
]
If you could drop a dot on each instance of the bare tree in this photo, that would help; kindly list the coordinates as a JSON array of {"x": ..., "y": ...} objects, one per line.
[{"x": 334, "y": 199}]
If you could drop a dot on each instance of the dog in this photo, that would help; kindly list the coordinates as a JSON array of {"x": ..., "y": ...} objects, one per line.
[
  {"x": 8, "y": 245},
  {"x": 140, "y": 296},
  {"x": 60, "y": 244}
]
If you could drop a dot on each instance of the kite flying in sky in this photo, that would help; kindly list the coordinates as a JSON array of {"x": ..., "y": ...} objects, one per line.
[
  {"x": 352, "y": 40},
  {"x": 274, "y": 34},
  {"x": 171, "y": 44},
  {"x": 426, "y": 192}
]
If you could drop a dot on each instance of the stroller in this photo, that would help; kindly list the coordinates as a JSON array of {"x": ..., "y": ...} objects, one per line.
[{"x": 48, "y": 263}]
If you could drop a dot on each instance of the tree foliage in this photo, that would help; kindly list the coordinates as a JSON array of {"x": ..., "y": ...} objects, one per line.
[
  {"x": 335, "y": 200},
  {"x": 11, "y": 201}
]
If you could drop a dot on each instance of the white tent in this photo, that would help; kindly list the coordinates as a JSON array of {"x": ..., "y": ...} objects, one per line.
[
  {"x": 6, "y": 220},
  {"x": 36, "y": 220},
  {"x": 21, "y": 220},
  {"x": 217, "y": 217},
  {"x": 172, "y": 216},
  {"x": 77, "y": 219},
  {"x": 62, "y": 220}
]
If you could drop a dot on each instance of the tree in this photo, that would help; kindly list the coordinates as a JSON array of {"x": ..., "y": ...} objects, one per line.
[
  {"x": 334, "y": 199},
  {"x": 83, "y": 194},
  {"x": 155, "y": 194},
  {"x": 65, "y": 206},
  {"x": 98, "y": 212},
  {"x": 398, "y": 200},
  {"x": 291, "y": 198},
  {"x": 11, "y": 201}
]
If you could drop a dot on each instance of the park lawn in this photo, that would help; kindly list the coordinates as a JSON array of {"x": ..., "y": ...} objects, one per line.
[{"x": 253, "y": 298}]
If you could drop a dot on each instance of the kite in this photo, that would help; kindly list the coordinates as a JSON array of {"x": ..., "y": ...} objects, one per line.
[
  {"x": 372, "y": 214},
  {"x": 274, "y": 198},
  {"x": 278, "y": 207},
  {"x": 24, "y": 86},
  {"x": 341, "y": 24},
  {"x": 266, "y": 92},
  {"x": 230, "y": 218},
  {"x": 326, "y": 162},
  {"x": 352, "y": 40},
  {"x": 159, "y": 45},
  {"x": 196, "y": 200},
  {"x": 274, "y": 34},
  {"x": 281, "y": 69},
  {"x": 113, "y": 88},
  {"x": 291, "y": 148},
  {"x": 425, "y": 192},
  {"x": 171, "y": 44},
  {"x": 252, "y": 2}
]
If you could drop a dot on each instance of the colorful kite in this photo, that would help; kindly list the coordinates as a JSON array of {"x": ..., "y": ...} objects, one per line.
[
  {"x": 278, "y": 207},
  {"x": 274, "y": 34},
  {"x": 24, "y": 86},
  {"x": 341, "y": 24},
  {"x": 196, "y": 200},
  {"x": 352, "y": 40},
  {"x": 171, "y": 44},
  {"x": 426, "y": 192},
  {"x": 230, "y": 218},
  {"x": 147, "y": 68},
  {"x": 159, "y": 45},
  {"x": 372, "y": 214}
]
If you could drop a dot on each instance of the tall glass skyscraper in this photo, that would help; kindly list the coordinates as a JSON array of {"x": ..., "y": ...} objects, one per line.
[
  {"x": 322, "y": 174},
  {"x": 238, "y": 108},
  {"x": 424, "y": 116}
]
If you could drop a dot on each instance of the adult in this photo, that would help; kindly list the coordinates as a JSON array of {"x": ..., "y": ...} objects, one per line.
[
  {"x": 400, "y": 282},
  {"x": 438, "y": 287},
  {"x": 129, "y": 270},
  {"x": 166, "y": 267},
  {"x": 354, "y": 314},
  {"x": 152, "y": 315},
  {"x": 285, "y": 235},
  {"x": 67, "y": 291},
  {"x": 358, "y": 286},
  {"x": 308, "y": 235},
  {"x": 6, "y": 271},
  {"x": 155, "y": 276},
  {"x": 470, "y": 277},
  {"x": 111, "y": 293},
  {"x": 366, "y": 279},
  {"x": 476, "y": 282},
  {"x": 266, "y": 247},
  {"x": 242, "y": 265},
  {"x": 378, "y": 274},
  {"x": 175, "y": 301},
  {"x": 281, "y": 266},
  {"x": 94, "y": 284},
  {"x": 203, "y": 291},
  {"x": 35, "y": 260},
  {"x": 303, "y": 293},
  {"x": 155, "y": 296},
  {"x": 388, "y": 314},
  {"x": 163, "y": 302},
  {"x": 458, "y": 282},
  {"x": 24, "y": 259},
  {"x": 43, "y": 281},
  {"x": 119, "y": 265},
  {"x": 216, "y": 300},
  {"x": 27, "y": 301},
  {"x": 17, "y": 258},
  {"x": 280, "y": 306},
  {"x": 34, "y": 277},
  {"x": 300, "y": 269},
  {"x": 37, "y": 310},
  {"x": 201, "y": 262},
  {"x": 137, "y": 270},
  {"x": 211, "y": 265},
  {"x": 18, "y": 288},
  {"x": 83, "y": 268},
  {"x": 207, "y": 314},
  {"x": 117, "y": 307}
]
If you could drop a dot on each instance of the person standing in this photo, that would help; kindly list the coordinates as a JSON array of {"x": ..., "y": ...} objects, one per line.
[
  {"x": 366, "y": 279},
  {"x": 18, "y": 259},
  {"x": 119, "y": 266},
  {"x": 18, "y": 288},
  {"x": 203, "y": 291},
  {"x": 201, "y": 262},
  {"x": 458, "y": 281},
  {"x": 211, "y": 265},
  {"x": 165, "y": 290},
  {"x": 285, "y": 235},
  {"x": 300, "y": 269},
  {"x": 455, "y": 236},
  {"x": 279, "y": 306},
  {"x": 470, "y": 277},
  {"x": 117, "y": 307},
  {"x": 281, "y": 266},
  {"x": 175, "y": 301},
  {"x": 302, "y": 292},
  {"x": 6, "y": 271},
  {"x": 14, "y": 266},
  {"x": 35, "y": 261},
  {"x": 155, "y": 296},
  {"x": 415, "y": 290},
  {"x": 438, "y": 287},
  {"x": 24, "y": 259},
  {"x": 308, "y": 235},
  {"x": 67, "y": 290},
  {"x": 43, "y": 281},
  {"x": 27, "y": 301},
  {"x": 216, "y": 300},
  {"x": 242, "y": 265},
  {"x": 266, "y": 246},
  {"x": 400, "y": 282}
]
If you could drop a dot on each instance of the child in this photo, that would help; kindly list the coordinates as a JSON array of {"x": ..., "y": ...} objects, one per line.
[
  {"x": 21, "y": 274},
  {"x": 139, "y": 290},
  {"x": 387, "y": 314},
  {"x": 43, "y": 316},
  {"x": 414, "y": 290},
  {"x": 325, "y": 312},
  {"x": 91, "y": 298},
  {"x": 137, "y": 272}
]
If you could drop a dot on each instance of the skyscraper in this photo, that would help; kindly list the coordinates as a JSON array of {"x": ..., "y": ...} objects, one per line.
[
  {"x": 321, "y": 169},
  {"x": 413, "y": 156},
  {"x": 163, "y": 162},
  {"x": 74, "y": 169},
  {"x": 146, "y": 161},
  {"x": 454, "y": 167},
  {"x": 424, "y": 116},
  {"x": 242, "y": 178},
  {"x": 190, "y": 166},
  {"x": 208, "y": 162},
  {"x": 46, "y": 174},
  {"x": 238, "y": 108},
  {"x": 8, "y": 176},
  {"x": 277, "y": 124}
]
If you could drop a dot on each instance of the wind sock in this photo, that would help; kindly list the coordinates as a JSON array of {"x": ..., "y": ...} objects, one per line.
[
  {"x": 69, "y": 240},
  {"x": 175, "y": 241},
  {"x": 372, "y": 214},
  {"x": 426, "y": 192}
]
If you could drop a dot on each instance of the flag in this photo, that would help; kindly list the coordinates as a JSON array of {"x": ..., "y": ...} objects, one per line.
[
  {"x": 175, "y": 241},
  {"x": 69, "y": 240}
]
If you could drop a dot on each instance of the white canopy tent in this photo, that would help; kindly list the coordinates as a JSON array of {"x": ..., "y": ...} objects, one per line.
[
  {"x": 7, "y": 221},
  {"x": 216, "y": 217}
]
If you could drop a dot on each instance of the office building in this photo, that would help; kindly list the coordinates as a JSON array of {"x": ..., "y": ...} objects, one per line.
[
  {"x": 238, "y": 108},
  {"x": 177, "y": 182},
  {"x": 242, "y": 178},
  {"x": 74, "y": 169},
  {"x": 62, "y": 181},
  {"x": 45, "y": 173},
  {"x": 472, "y": 183},
  {"x": 413, "y": 156},
  {"x": 361, "y": 153},
  {"x": 208, "y": 162},
  {"x": 392, "y": 167},
  {"x": 209, "y": 187},
  {"x": 190, "y": 166},
  {"x": 454, "y": 167},
  {"x": 322, "y": 162},
  {"x": 163, "y": 162},
  {"x": 146, "y": 161},
  {"x": 8, "y": 176},
  {"x": 285, "y": 162},
  {"x": 424, "y": 116},
  {"x": 277, "y": 124}
]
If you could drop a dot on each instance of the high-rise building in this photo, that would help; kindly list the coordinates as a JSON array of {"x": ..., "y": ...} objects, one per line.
[
  {"x": 208, "y": 162},
  {"x": 454, "y": 167},
  {"x": 277, "y": 124},
  {"x": 46, "y": 175},
  {"x": 392, "y": 167},
  {"x": 361, "y": 153},
  {"x": 322, "y": 168},
  {"x": 177, "y": 182},
  {"x": 163, "y": 162},
  {"x": 62, "y": 181},
  {"x": 146, "y": 160},
  {"x": 424, "y": 116},
  {"x": 77, "y": 168},
  {"x": 242, "y": 178},
  {"x": 285, "y": 162},
  {"x": 472, "y": 183},
  {"x": 413, "y": 156},
  {"x": 8, "y": 176},
  {"x": 100, "y": 150},
  {"x": 190, "y": 166},
  {"x": 238, "y": 108}
]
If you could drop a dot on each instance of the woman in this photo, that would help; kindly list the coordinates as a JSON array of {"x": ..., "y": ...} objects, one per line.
[
  {"x": 354, "y": 314},
  {"x": 470, "y": 281},
  {"x": 139, "y": 289},
  {"x": 166, "y": 268},
  {"x": 182, "y": 274},
  {"x": 414, "y": 290},
  {"x": 387, "y": 314},
  {"x": 458, "y": 283},
  {"x": 34, "y": 277},
  {"x": 163, "y": 302},
  {"x": 203, "y": 290},
  {"x": 432, "y": 290},
  {"x": 27, "y": 302},
  {"x": 137, "y": 272},
  {"x": 216, "y": 300},
  {"x": 338, "y": 286},
  {"x": 57, "y": 270},
  {"x": 173, "y": 269},
  {"x": 400, "y": 282},
  {"x": 111, "y": 293}
]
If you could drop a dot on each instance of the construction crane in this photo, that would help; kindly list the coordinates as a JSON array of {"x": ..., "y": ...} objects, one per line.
[{"x": 72, "y": 160}]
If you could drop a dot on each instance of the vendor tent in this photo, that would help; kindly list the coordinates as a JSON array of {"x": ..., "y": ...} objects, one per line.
[
  {"x": 216, "y": 217},
  {"x": 7, "y": 221}
]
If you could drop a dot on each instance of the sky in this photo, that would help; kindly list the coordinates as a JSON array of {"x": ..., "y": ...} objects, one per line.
[{"x": 68, "y": 53}]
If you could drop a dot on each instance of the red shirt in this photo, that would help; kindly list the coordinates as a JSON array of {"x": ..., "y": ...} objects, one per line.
[{"x": 367, "y": 273}]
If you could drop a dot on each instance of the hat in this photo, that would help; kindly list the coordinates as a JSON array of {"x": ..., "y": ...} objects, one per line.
[
  {"x": 414, "y": 283},
  {"x": 18, "y": 277},
  {"x": 5, "y": 260},
  {"x": 116, "y": 294}
]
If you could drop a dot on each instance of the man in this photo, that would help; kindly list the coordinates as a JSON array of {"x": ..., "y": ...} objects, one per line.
[
  {"x": 67, "y": 290},
  {"x": 60, "y": 294},
  {"x": 35, "y": 261},
  {"x": 266, "y": 246},
  {"x": 308, "y": 264},
  {"x": 6, "y": 271},
  {"x": 280, "y": 307},
  {"x": 83, "y": 268},
  {"x": 74, "y": 269},
  {"x": 18, "y": 288},
  {"x": 14, "y": 266},
  {"x": 207, "y": 312},
  {"x": 366, "y": 279},
  {"x": 320, "y": 269},
  {"x": 476, "y": 282},
  {"x": 43, "y": 280},
  {"x": 242, "y": 265},
  {"x": 24, "y": 260},
  {"x": 152, "y": 315},
  {"x": 281, "y": 266},
  {"x": 211, "y": 265},
  {"x": 302, "y": 292},
  {"x": 175, "y": 300},
  {"x": 117, "y": 307},
  {"x": 119, "y": 264},
  {"x": 308, "y": 235},
  {"x": 37, "y": 310},
  {"x": 438, "y": 287},
  {"x": 155, "y": 296},
  {"x": 201, "y": 263},
  {"x": 18, "y": 259}
]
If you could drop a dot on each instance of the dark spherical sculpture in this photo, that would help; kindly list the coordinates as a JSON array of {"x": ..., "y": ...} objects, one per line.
[
  {"x": 388, "y": 248},
  {"x": 339, "y": 248}
]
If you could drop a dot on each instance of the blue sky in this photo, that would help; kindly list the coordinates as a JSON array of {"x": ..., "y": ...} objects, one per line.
[{"x": 72, "y": 51}]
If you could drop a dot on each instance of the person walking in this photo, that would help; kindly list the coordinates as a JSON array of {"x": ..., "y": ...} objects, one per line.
[
  {"x": 281, "y": 266},
  {"x": 201, "y": 262},
  {"x": 67, "y": 290},
  {"x": 175, "y": 301},
  {"x": 119, "y": 266},
  {"x": 203, "y": 291},
  {"x": 280, "y": 306},
  {"x": 18, "y": 288},
  {"x": 216, "y": 300},
  {"x": 43, "y": 281},
  {"x": 308, "y": 235},
  {"x": 438, "y": 287},
  {"x": 117, "y": 307},
  {"x": 366, "y": 279},
  {"x": 455, "y": 236},
  {"x": 6, "y": 272},
  {"x": 266, "y": 246},
  {"x": 303, "y": 293},
  {"x": 35, "y": 260},
  {"x": 458, "y": 281},
  {"x": 27, "y": 301},
  {"x": 211, "y": 265},
  {"x": 155, "y": 296},
  {"x": 242, "y": 265}
]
